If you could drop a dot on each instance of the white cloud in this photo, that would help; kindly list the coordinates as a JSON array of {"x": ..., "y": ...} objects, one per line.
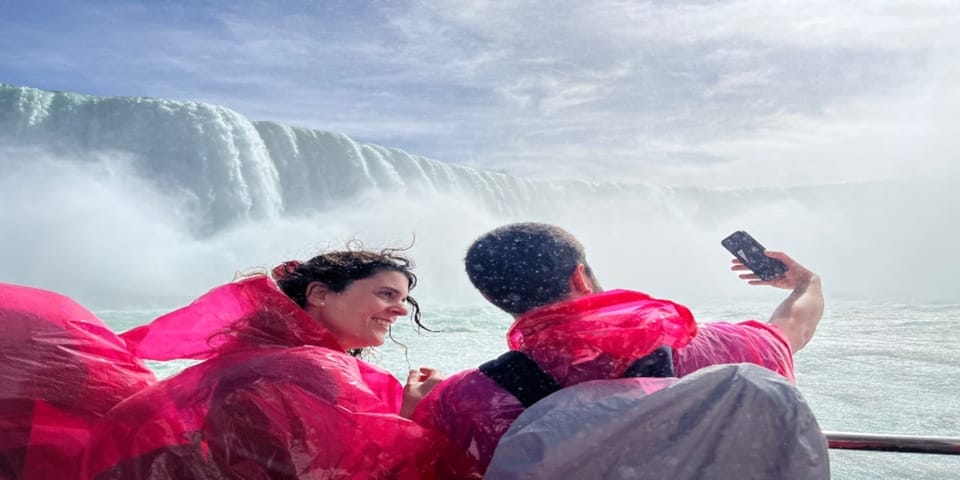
[
  {"x": 597, "y": 90},
  {"x": 665, "y": 91}
]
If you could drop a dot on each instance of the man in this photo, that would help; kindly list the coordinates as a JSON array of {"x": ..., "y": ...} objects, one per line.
[{"x": 568, "y": 330}]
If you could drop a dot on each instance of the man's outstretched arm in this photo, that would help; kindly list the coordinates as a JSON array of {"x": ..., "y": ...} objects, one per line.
[{"x": 798, "y": 314}]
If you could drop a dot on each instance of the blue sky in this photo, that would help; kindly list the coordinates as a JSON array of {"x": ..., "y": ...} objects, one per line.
[{"x": 699, "y": 92}]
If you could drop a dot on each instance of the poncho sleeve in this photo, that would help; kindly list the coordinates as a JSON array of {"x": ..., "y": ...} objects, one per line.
[{"x": 744, "y": 342}]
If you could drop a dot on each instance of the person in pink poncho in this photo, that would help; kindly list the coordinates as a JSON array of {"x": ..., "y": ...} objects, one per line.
[
  {"x": 61, "y": 370},
  {"x": 567, "y": 330},
  {"x": 280, "y": 393}
]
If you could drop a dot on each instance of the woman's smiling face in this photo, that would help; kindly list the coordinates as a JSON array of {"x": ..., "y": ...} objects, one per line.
[{"x": 361, "y": 315}]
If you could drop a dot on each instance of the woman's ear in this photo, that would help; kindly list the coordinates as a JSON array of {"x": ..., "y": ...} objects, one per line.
[
  {"x": 581, "y": 283},
  {"x": 317, "y": 294}
]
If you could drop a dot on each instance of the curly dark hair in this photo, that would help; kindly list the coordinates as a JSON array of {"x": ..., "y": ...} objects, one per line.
[
  {"x": 522, "y": 266},
  {"x": 338, "y": 269}
]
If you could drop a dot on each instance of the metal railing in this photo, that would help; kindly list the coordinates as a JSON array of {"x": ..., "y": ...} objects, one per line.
[{"x": 893, "y": 443}]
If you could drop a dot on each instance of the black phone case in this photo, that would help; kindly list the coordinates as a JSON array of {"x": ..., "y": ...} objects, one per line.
[{"x": 750, "y": 252}]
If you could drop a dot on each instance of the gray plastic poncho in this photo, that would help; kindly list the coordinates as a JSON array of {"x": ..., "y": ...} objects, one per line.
[{"x": 723, "y": 422}]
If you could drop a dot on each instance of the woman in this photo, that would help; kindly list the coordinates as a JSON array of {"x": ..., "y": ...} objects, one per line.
[
  {"x": 61, "y": 370},
  {"x": 279, "y": 394}
]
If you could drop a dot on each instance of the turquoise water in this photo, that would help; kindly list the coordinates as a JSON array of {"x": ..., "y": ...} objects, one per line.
[{"x": 871, "y": 368}]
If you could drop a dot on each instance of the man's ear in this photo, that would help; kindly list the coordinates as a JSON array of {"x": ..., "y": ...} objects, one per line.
[
  {"x": 317, "y": 294},
  {"x": 580, "y": 281}
]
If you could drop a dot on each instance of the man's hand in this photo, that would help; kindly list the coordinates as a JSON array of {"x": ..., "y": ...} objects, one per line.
[
  {"x": 797, "y": 275},
  {"x": 419, "y": 383},
  {"x": 798, "y": 315}
]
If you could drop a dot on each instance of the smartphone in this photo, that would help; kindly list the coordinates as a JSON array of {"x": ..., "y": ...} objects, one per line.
[{"x": 750, "y": 252}]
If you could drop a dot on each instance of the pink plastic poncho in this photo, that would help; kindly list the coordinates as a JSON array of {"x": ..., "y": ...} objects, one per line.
[
  {"x": 590, "y": 338},
  {"x": 599, "y": 336},
  {"x": 751, "y": 341},
  {"x": 593, "y": 337},
  {"x": 276, "y": 398},
  {"x": 61, "y": 370}
]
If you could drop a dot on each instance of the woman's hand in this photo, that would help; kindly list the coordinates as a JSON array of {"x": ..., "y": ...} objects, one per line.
[{"x": 419, "y": 383}]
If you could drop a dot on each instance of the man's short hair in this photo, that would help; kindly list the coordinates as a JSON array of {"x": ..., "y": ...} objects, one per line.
[{"x": 523, "y": 266}]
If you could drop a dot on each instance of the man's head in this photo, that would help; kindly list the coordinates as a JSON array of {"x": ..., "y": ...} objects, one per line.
[{"x": 523, "y": 266}]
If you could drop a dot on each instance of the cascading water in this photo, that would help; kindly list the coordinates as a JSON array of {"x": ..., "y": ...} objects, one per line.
[
  {"x": 120, "y": 201},
  {"x": 141, "y": 205}
]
